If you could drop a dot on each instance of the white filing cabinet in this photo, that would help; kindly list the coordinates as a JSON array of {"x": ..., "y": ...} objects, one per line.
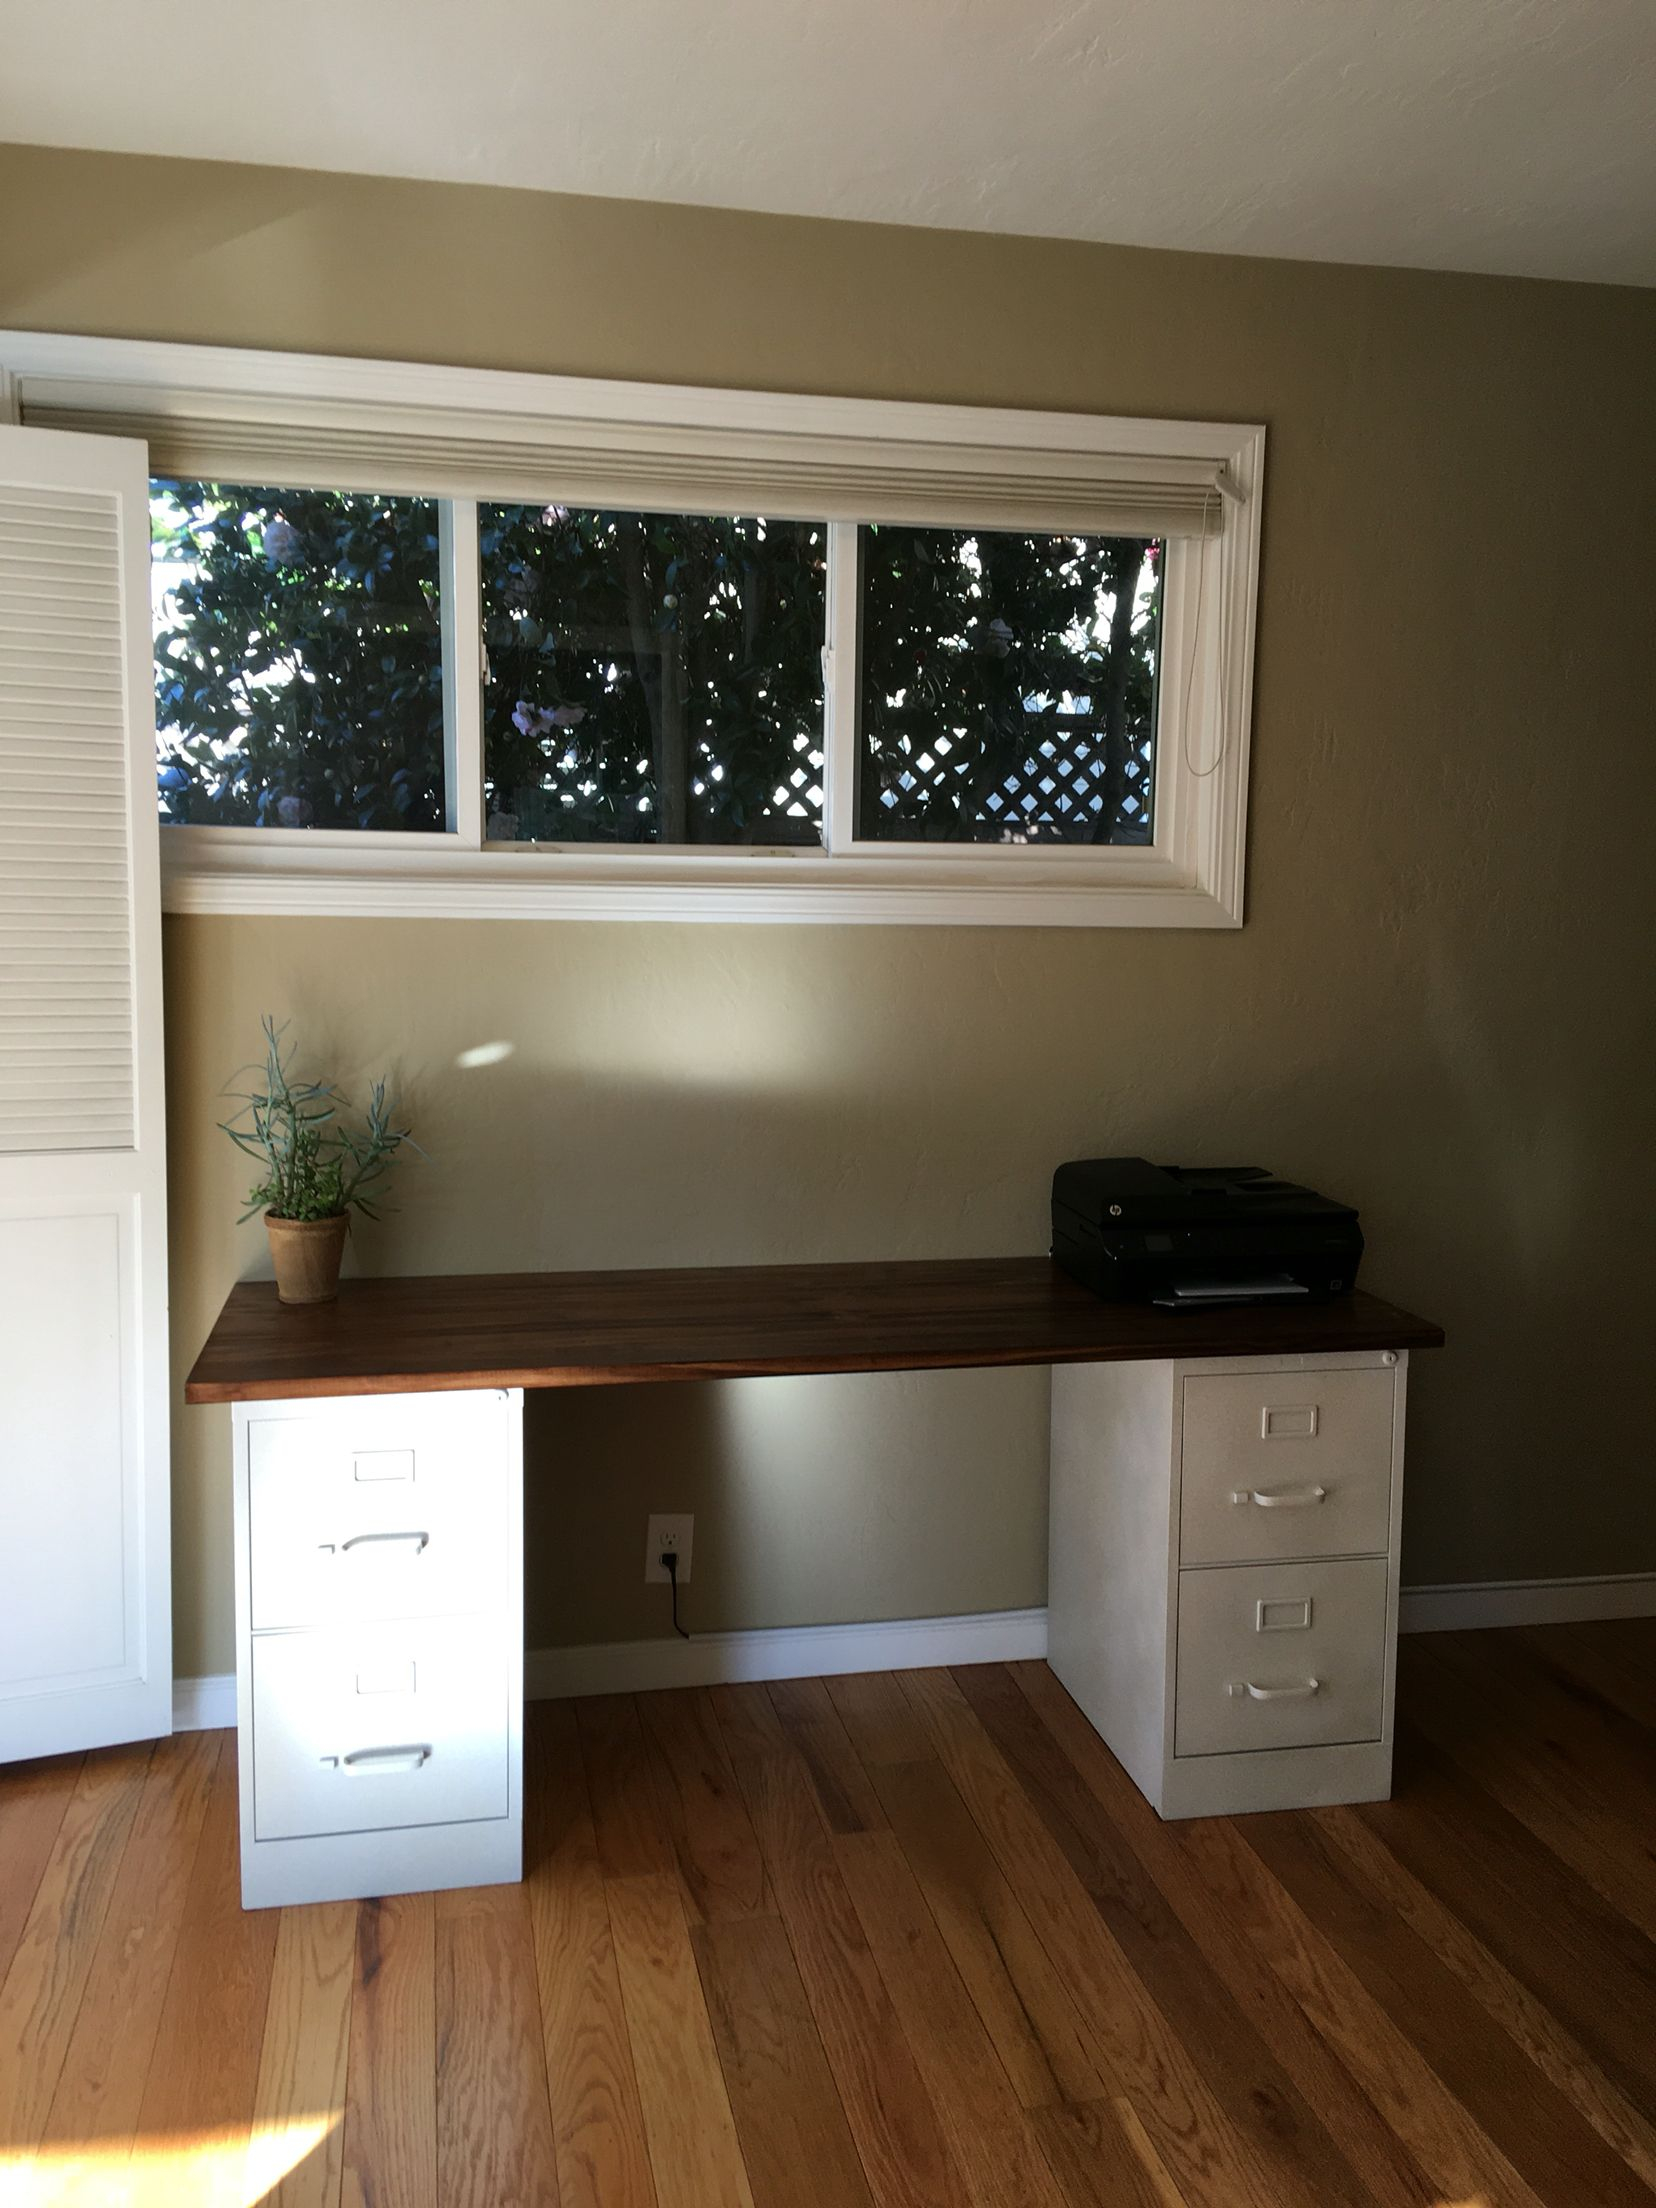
[
  {"x": 379, "y": 1619},
  {"x": 1223, "y": 1586}
]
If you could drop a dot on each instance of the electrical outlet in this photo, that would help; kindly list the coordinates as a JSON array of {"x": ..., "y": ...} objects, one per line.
[{"x": 668, "y": 1529}]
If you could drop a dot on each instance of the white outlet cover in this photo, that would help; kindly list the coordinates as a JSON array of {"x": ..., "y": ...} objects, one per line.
[{"x": 670, "y": 1529}]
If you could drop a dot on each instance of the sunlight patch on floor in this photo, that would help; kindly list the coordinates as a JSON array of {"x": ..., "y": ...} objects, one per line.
[{"x": 227, "y": 2169}]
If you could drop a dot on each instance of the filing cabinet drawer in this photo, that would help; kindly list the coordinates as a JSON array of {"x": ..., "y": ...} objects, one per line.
[
  {"x": 1285, "y": 1464},
  {"x": 368, "y": 1729},
  {"x": 1280, "y": 1656},
  {"x": 361, "y": 1515}
]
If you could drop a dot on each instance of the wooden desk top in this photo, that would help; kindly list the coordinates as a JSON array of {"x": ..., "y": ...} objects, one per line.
[{"x": 574, "y": 1330}]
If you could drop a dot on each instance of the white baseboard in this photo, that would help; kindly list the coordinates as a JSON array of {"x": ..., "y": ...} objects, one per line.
[
  {"x": 787, "y": 1652},
  {"x": 1486, "y": 1602},
  {"x": 714, "y": 1659},
  {"x": 204, "y": 1705},
  {"x": 978, "y": 1637}
]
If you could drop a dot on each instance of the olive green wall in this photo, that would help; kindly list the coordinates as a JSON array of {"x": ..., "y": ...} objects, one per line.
[{"x": 1440, "y": 1007}]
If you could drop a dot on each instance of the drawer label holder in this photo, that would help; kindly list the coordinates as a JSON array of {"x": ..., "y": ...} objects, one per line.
[
  {"x": 1283, "y": 1616},
  {"x": 1288, "y": 1422}
]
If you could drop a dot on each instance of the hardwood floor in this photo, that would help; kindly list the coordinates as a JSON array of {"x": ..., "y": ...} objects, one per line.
[{"x": 903, "y": 1941}]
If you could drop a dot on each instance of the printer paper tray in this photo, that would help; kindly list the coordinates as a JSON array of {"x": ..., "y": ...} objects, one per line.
[{"x": 1261, "y": 1288}]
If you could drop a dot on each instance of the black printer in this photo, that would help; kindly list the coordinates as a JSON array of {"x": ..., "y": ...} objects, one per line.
[{"x": 1191, "y": 1236}]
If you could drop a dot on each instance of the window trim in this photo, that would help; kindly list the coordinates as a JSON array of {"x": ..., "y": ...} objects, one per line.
[{"x": 1192, "y": 874}]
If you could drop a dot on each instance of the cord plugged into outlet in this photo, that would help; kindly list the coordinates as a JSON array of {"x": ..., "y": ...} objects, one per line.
[
  {"x": 669, "y": 1564},
  {"x": 667, "y": 1554}
]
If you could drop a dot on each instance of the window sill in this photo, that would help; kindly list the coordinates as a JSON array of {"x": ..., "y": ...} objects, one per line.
[{"x": 1139, "y": 889}]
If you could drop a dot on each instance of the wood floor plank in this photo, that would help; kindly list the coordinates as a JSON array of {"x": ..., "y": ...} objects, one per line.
[
  {"x": 1552, "y": 1931},
  {"x": 1541, "y": 1775},
  {"x": 890, "y": 1942},
  {"x": 807, "y": 1714},
  {"x": 875, "y": 1711},
  {"x": 795, "y": 2141},
  {"x": 1260, "y": 2097},
  {"x": 1000, "y": 2162},
  {"x": 1348, "y": 2115},
  {"x": 1017, "y": 1991},
  {"x": 597, "y": 2123},
  {"x": 1526, "y": 2021},
  {"x": 34, "y": 1798},
  {"x": 494, "y": 2115},
  {"x": 390, "y": 2152},
  {"x": 1447, "y": 2144},
  {"x": 1551, "y": 1716},
  {"x": 204, "y": 2069},
  {"x": 101, "y": 2088},
  {"x": 904, "y": 2149},
  {"x": 719, "y": 1862},
  {"x": 302, "y": 2055},
  {"x": 1213, "y": 2161},
  {"x": 694, "y": 2153},
  {"x": 1101, "y": 2157},
  {"x": 1630, "y": 1641},
  {"x": 626, "y": 1811},
  {"x": 40, "y": 1997},
  {"x": 747, "y": 1721},
  {"x": 1602, "y": 1664},
  {"x": 1536, "y": 2127}
]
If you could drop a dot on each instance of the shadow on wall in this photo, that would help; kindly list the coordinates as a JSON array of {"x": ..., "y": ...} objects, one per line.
[
  {"x": 530, "y": 1169},
  {"x": 819, "y": 1499}
]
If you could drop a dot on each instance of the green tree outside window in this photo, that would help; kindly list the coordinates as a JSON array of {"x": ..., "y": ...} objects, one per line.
[
  {"x": 298, "y": 658},
  {"x": 648, "y": 678}
]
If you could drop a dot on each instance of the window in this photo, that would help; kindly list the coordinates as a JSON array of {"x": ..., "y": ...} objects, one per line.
[
  {"x": 298, "y": 658},
  {"x": 1008, "y": 687},
  {"x": 440, "y": 641},
  {"x": 651, "y": 678}
]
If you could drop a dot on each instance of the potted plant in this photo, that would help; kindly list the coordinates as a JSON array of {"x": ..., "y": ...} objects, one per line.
[{"x": 314, "y": 1169}]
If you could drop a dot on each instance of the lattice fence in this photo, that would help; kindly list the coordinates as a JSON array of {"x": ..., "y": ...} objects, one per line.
[
  {"x": 943, "y": 787},
  {"x": 609, "y": 795}
]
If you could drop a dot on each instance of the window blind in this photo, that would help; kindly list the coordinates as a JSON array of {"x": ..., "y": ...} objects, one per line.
[{"x": 647, "y": 466}]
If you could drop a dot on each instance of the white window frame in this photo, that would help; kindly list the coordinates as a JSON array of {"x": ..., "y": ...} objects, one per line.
[{"x": 1190, "y": 875}]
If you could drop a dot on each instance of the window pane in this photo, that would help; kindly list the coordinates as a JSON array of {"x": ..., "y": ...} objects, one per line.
[
  {"x": 298, "y": 658},
  {"x": 1008, "y": 687},
  {"x": 650, "y": 678}
]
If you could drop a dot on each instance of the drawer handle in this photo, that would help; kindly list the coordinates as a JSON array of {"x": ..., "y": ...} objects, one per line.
[
  {"x": 421, "y": 1542},
  {"x": 1255, "y": 1693},
  {"x": 364, "y": 1762},
  {"x": 1280, "y": 1498}
]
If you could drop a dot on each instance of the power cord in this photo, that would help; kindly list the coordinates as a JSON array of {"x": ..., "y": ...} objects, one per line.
[{"x": 669, "y": 1564}]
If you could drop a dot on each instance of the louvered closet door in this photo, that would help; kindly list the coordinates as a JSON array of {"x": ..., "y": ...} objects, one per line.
[{"x": 85, "y": 1614}]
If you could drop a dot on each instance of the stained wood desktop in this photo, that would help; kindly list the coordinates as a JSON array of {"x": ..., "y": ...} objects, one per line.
[{"x": 599, "y": 1329}]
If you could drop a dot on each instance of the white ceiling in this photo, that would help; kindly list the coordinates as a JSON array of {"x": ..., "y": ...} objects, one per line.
[{"x": 1506, "y": 135}]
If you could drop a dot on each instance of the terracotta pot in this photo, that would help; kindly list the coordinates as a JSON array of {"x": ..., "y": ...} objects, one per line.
[{"x": 306, "y": 1254}]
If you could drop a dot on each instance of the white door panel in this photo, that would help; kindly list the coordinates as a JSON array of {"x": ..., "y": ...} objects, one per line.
[
  {"x": 68, "y": 1504},
  {"x": 85, "y": 1615}
]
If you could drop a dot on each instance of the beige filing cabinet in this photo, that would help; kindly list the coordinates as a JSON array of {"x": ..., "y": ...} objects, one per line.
[{"x": 1223, "y": 1585}]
